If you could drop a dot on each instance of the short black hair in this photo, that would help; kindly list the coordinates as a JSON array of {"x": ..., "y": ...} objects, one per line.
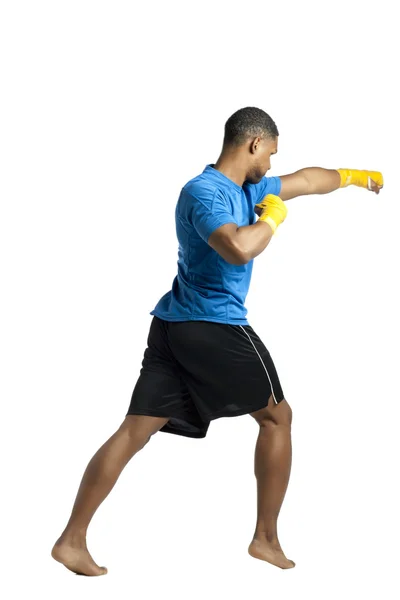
[{"x": 246, "y": 123}]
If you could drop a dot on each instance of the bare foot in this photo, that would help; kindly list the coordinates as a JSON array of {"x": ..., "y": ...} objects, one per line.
[
  {"x": 271, "y": 553},
  {"x": 76, "y": 557}
]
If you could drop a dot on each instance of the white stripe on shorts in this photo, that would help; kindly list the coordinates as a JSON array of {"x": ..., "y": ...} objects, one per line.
[{"x": 273, "y": 395}]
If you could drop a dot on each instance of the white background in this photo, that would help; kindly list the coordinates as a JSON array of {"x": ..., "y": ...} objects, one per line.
[{"x": 107, "y": 110}]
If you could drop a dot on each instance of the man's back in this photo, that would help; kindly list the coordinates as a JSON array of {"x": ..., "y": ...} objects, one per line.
[{"x": 207, "y": 287}]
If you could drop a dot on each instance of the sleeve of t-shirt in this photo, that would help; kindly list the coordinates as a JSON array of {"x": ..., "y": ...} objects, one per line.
[
  {"x": 208, "y": 215},
  {"x": 267, "y": 185}
]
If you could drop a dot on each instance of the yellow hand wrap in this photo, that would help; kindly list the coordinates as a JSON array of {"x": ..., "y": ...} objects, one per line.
[
  {"x": 274, "y": 211},
  {"x": 359, "y": 178}
]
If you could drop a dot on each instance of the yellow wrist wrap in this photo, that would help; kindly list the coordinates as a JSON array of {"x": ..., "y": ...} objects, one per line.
[
  {"x": 359, "y": 178},
  {"x": 270, "y": 222},
  {"x": 274, "y": 211}
]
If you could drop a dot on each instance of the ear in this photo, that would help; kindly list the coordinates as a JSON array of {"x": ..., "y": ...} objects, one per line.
[{"x": 255, "y": 145}]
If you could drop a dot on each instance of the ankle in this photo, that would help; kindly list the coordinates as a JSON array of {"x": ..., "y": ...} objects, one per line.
[
  {"x": 266, "y": 537},
  {"x": 74, "y": 537}
]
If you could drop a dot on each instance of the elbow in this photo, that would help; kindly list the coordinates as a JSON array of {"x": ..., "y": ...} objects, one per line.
[
  {"x": 244, "y": 259},
  {"x": 240, "y": 257}
]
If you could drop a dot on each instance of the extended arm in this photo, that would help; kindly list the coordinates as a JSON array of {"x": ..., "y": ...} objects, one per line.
[
  {"x": 239, "y": 245},
  {"x": 316, "y": 180}
]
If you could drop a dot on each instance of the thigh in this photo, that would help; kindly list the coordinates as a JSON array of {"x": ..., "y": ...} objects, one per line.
[
  {"x": 161, "y": 391},
  {"x": 165, "y": 397},
  {"x": 227, "y": 368}
]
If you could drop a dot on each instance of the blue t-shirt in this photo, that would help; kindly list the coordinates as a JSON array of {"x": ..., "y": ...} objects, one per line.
[{"x": 207, "y": 288}]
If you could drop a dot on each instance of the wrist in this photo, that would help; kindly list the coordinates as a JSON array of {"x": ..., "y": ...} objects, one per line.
[
  {"x": 346, "y": 177},
  {"x": 270, "y": 221}
]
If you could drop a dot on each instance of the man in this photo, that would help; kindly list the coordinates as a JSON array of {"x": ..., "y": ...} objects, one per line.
[{"x": 203, "y": 359}]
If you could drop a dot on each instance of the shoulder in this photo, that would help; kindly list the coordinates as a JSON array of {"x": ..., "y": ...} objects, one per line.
[
  {"x": 202, "y": 190},
  {"x": 267, "y": 185}
]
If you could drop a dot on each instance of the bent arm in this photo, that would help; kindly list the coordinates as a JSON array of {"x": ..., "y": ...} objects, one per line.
[{"x": 239, "y": 245}]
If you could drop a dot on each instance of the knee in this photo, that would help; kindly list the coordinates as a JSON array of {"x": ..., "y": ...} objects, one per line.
[
  {"x": 274, "y": 414},
  {"x": 137, "y": 435},
  {"x": 287, "y": 413}
]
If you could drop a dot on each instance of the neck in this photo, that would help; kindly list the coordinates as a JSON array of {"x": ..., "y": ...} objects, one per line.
[{"x": 231, "y": 165}]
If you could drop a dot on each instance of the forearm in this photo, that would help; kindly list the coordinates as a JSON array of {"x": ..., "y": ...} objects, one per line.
[
  {"x": 253, "y": 239},
  {"x": 321, "y": 181},
  {"x": 316, "y": 180}
]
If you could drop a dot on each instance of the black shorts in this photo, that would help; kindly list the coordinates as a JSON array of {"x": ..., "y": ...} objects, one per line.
[{"x": 197, "y": 371}]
